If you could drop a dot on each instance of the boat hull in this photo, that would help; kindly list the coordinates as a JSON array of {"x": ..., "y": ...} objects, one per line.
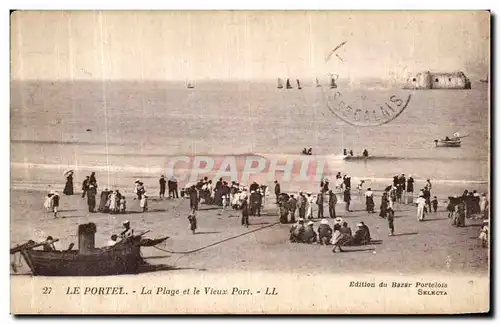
[
  {"x": 449, "y": 144},
  {"x": 115, "y": 260}
]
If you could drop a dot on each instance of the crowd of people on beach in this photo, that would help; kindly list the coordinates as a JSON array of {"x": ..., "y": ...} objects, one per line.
[{"x": 292, "y": 208}]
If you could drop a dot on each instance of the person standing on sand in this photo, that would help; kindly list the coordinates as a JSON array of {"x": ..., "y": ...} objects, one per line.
[
  {"x": 49, "y": 204},
  {"x": 347, "y": 198},
  {"x": 85, "y": 186},
  {"x": 192, "y": 221},
  {"x": 144, "y": 203},
  {"x": 301, "y": 205},
  {"x": 68, "y": 188},
  {"x": 292, "y": 206},
  {"x": 390, "y": 218},
  {"x": 193, "y": 198},
  {"x": 310, "y": 201},
  {"x": 409, "y": 190},
  {"x": 420, "y": 207},
  {"x": 123, "y": 205},
  {"x": 370, "y": 204},
  {"x": 92, "y": 180},
  {"x": 104, "y": 199},
  {"x": 332, "y": 201},
  {"x": 277, "y": 190},
  {"x": 460, "y": 215},
  {"x": 244, "y": 213},
  {"x": 55, "y": 203},
  {"x": 319, "y": 202},
  {"x": 163, "y": 183},
  {"x": 402, "y": 182},
  {"x": 91, "y": 193}
]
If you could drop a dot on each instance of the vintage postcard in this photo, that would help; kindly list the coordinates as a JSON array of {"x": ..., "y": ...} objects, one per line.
[{"x": 250, "y": 162}]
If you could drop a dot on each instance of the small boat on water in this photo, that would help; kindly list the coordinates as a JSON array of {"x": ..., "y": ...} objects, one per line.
[
  {"x": 280, "y": 84},
  {"x": 124, "y": 257},
  {"x": 333, "y": 85},
  {"x": 455, "y": 141}
]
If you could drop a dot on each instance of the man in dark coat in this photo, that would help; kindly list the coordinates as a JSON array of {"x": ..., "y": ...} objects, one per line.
[
  {"x": 163, "y": 183},
  {"x": 85, "y": 186},
  {"x": 319, "y": 202},
  {"x": 193, "y": 198},
  {"x": 332, "y": 201},
  {"x": 277, "y": 190},
  {"x": 347, "y": 198},
  {"x": 254, "y": 203},
  {"x": 244, "y": 213},
  {"x": 91, "y": 193},
  {"x": 292, "y": 206},
  {"x": 301, "y": 205}
]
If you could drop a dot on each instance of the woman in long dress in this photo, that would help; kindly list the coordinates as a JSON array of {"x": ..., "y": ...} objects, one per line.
[
  {"x": 113, "y": 207},
  {"x": 68, "y": 188},
  {"x": 369, "y": 201}
]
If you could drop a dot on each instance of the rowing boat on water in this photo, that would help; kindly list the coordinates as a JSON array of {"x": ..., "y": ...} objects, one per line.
[{"x": 456, "y": 141}]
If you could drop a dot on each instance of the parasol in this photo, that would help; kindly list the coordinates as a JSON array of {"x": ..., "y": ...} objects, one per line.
[{"x": 68, "y": 172}]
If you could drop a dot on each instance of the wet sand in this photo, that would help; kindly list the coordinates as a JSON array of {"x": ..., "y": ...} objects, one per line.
[{"x": 222, "y": 244}]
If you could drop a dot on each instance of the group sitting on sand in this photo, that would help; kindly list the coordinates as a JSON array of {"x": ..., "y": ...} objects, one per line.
[{"x": 340, "y": 235}]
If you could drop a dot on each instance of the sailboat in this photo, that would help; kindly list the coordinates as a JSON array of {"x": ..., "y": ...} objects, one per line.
[
  {"x": 298, "y": 85},
  {"x": 280, "y": 84},
  {"x": 288, "y": 86},
  {"x": 484, "y": 80},
  {"x": 190, "y": 85},
  {"x": 317, "y": 83},
  {"x": 333, "y": 85}
]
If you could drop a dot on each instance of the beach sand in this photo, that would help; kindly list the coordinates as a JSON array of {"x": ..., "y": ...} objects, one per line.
[{"x": 222, "y": 244}]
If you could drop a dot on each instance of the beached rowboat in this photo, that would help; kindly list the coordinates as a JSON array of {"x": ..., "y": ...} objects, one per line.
[{"x": 122, "y": 258}]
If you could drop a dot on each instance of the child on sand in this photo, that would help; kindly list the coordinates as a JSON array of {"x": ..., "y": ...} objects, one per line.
[
  {"x": 192, "y": 221},
  {"x": 435, "y": 204},
  {"x": 55, "y": 203},
  {"x": 123, "y": 205},
  {"x": 224, "y": 201},
  {"x": 144, "y": 203}
]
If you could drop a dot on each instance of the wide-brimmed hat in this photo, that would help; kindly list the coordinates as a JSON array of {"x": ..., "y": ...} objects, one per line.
[
  {"x": 137, "y": 180},
  {"x": 338, "y": 220},
  {"x": 359, "y": 225},
  {"x": 324, "y": 221},
  {"x": 126, "y": 222}
]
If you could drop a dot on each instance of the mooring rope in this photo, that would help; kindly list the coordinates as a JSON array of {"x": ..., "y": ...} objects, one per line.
[{"x": 218, "y": 242}]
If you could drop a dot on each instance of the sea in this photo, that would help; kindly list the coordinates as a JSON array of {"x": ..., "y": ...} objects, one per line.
[{"x": 128, "y": 129}]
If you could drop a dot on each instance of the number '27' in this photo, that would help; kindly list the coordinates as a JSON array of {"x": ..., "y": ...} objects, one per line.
[{"x": 46, "y": 290}]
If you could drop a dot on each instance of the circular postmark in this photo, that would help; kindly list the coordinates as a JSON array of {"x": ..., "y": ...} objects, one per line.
[{"x": 364, "y": 110}]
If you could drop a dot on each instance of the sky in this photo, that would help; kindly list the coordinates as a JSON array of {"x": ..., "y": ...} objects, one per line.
[{"x": 176, "y": 45}]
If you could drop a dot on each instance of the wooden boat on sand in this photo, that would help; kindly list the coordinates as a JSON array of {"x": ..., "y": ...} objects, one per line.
[{"x": 122, "y": 258}]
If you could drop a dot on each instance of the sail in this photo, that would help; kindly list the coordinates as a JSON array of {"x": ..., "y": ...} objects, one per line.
[
  {"x": 190, "y": 84},
  {"x": 298, "y": 84},
  {"x": 288, "y": 86},
  {"x": 317, "y": 83},
  {"x": 280, "y": 84},
  {"x": 333, "y": 85}
]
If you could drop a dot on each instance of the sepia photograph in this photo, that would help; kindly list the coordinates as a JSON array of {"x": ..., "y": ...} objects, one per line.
[{"x": 250, "y": 162}]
